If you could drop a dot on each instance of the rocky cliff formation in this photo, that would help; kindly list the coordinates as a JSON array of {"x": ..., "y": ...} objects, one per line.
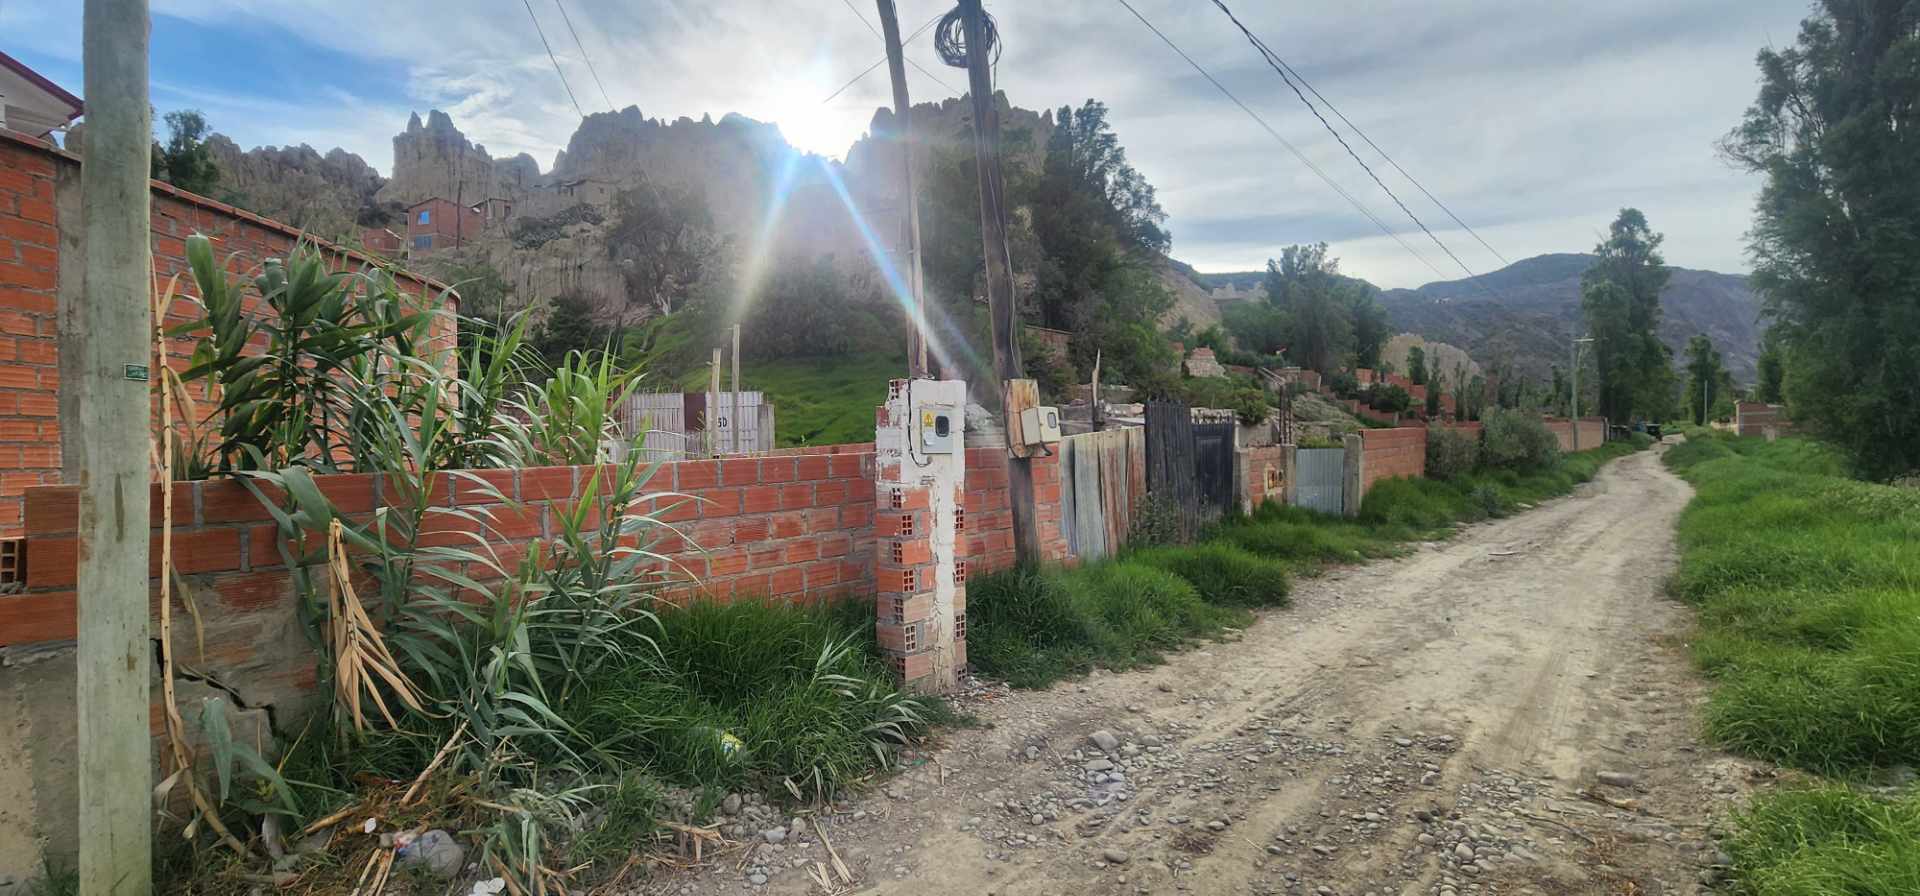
[
  {"x": 330, "y": 195},
  {"x": 435, "y": 160}
]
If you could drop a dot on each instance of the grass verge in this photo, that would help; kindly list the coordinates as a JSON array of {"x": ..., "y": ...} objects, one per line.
[
  {"x": 1808, "y": 586},
  {"x": 817, "y": 401}
]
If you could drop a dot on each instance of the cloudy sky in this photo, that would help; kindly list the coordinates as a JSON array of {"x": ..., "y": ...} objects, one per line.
[{"x": 1534, "y": 120}]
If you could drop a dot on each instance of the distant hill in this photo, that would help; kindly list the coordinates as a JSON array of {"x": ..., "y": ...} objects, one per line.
[{"x": 1525, "y": 312}]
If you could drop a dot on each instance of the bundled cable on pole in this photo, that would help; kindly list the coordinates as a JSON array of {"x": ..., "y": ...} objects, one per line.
[{"x": 950, "y": 38}]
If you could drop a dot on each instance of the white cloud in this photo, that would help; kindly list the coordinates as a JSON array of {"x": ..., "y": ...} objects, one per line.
[{"x": 1534, "y": 121}]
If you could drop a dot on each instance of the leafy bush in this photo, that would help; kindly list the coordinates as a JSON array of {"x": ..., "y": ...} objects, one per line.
[
  {"x": 1388, "y": 398},
  {"x": 1451, "y": 453},
  {"x": 1244, "y": 397},
  {"x": 1156, "y": 521},
  {"x": 1223, "y": 573},
  {"x": 1517, "y": 440},
  {"x": 1344, "y": 384},
  {"x": 1415, "y": 504}
]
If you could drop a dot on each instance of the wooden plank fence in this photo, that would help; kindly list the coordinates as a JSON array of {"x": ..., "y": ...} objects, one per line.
[{"x": 1102, "y": 475}]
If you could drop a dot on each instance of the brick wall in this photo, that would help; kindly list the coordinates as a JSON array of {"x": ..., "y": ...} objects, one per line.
[
  {"x": 38, "y": 182},
  {"x": 1263, "y": 475},
  {"x": 1386, "y": 453},
  {"x": 1593, "y": 432},
  {"x": 987, "y": 530},
  {"x": 1753, "y": 418}
]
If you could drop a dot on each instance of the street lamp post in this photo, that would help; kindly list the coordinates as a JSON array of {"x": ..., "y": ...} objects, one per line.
[{"x": 1573, "y": 391}]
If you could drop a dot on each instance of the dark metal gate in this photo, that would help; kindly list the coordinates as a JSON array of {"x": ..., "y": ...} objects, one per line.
[{"x": 1189, "y": 465}]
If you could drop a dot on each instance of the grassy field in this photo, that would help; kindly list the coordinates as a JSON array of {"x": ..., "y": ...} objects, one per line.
[
  {"x": 1033, "y": 628},
  {"x": 1808, "y": 586},
  {"x": 817, "y": 401}
]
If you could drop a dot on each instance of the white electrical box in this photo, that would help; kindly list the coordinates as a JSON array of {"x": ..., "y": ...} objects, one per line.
[
  {"x": 1040, "y": 425},
  {"x": 939, "y": 428}
]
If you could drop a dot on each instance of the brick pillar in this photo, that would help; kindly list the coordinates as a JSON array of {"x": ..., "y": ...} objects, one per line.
[{"x": 919, "y": 573}]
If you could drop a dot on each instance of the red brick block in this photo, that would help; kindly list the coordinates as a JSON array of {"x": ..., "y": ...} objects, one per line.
[
  {"x": 836, "y": 545},
  {"x": 789, "y": 525},
  {"x": 823, "y": 575},
  {"x": 740, "y": 471},
  {"x": 36, "y": 618},
  {"x": 778, "y": 469},
  {"x": 901, "y": 497},
  {"x": 796, "y": 496},
  {"x": 801, "y": 551},
  {"x": 727, "y": 563},
  {"x": 855, "y": 516},
  {"x": 469, "y": 487},
  {"x": 719, "y": 503},
  {"x": 848, "y": 466},
  {"x": 40, "y": 210},
  {"x": 760, "y": 499},
  {"x": 896, "y": 523},
  {"x": 905, "y": 551},
  {"x": 546, "y": 483},
  {"x": 696, "y": 475},
  {"x": 909, "y": 580},
  {"x": 812, "y": 467},
  {"x": 206, "y": 550},
  {"x": 52, "y": 510},
  {"x": 249, "y": 591},
  {"x": 831, "y": 491},
  {"x": 791, "y": 580},
  {"x": 765, "y": 556},
  {"x": 750, "y": 530}
]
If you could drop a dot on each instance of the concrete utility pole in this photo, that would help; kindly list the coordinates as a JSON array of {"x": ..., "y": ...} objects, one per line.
[
  {"x": 733, "y": 416},
  {"x": 903, "y": 116},
  {"x": 1573, "y": 391},
  {"x": 115, "y": 656},
  {"x": 999, "y": 258}
]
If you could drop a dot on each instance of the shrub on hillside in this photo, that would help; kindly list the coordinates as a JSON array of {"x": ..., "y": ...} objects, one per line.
[
  {"x": 1389, "y": 399},
  {"x": 1343, "y": 384},
  {"x": 1516, "y": 440},
  {"x": 1451, "y": 453}
]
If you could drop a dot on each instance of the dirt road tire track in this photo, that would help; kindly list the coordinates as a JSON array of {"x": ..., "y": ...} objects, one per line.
[{"x": 1433, "y": 724}]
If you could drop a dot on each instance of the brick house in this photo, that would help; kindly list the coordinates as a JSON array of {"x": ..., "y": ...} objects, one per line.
[
  {"x": 436, "y": 223},
  {"x": 41, "y": 268}
]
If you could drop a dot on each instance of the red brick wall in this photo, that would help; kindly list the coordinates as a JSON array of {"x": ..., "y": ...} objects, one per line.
[
  {"x": 30, "y": 295},
  {"x": 987, "y": 529},
  {"x": 1753, "y": 418},
  {"x": 1593, "y": 432},
  {"x": 1386, "y": 453},
  {"x": 1264, "y": 473}
]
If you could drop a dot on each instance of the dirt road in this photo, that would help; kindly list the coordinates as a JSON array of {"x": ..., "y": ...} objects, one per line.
[{"x": 1436, "y": 724}]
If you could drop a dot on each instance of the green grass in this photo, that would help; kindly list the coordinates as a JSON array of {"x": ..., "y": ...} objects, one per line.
[
  {"x": 817, "y": 401},
  {"x": 1223, "y": 573},
  {"x": 1034, "y": 627},
  {"x": 1808, "y": 586},
  {"x": 1827, "y": 840},
  {"x": 750, "y": 695}
]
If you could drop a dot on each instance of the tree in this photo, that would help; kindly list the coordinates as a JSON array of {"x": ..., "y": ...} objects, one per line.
[
  {"x": 1620, "y": 296},
  {"x": 1433, "y": 401},
  {"x": 1258, "y": 327},
  {"x": 1705, "y": 374},
  {"x": 569, "y": 326},
  {"x": 663, "y": 242},
  {"x": 1369, "y": 326},
  {"x": 1836, "y": 235},
  {"x": 184, "y": 160},
  {"x": 1306, "y": 285},
  {"x": 1417, "y": 365},
  {"x": 1772, "y": 370}
]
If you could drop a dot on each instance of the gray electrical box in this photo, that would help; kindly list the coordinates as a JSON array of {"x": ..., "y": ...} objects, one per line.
[{"x": 939, "y": 428}]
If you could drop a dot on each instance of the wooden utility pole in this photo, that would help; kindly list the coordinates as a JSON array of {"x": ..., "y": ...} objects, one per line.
[
  {"x": 713, "y": 405},
  {"x": 903, "y": 131},
  {"x": 115, "y": 655},
  {"x": 999, "y": 258}
]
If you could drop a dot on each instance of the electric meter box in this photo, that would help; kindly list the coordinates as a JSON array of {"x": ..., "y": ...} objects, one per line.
[
  {"x": 939, "y": 428},
  {"x": 1040, "y": 425}
]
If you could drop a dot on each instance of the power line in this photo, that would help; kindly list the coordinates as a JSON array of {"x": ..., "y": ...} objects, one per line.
[
  {"x": 555, "y": 59},
  {"x": 1357, "y": 205},
  {"x": 883, "y": 60},
  {"x": 583, "y": 54},
  {"x": 1396, "y": 165},
  {"x": 1271, "y": 60}
]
